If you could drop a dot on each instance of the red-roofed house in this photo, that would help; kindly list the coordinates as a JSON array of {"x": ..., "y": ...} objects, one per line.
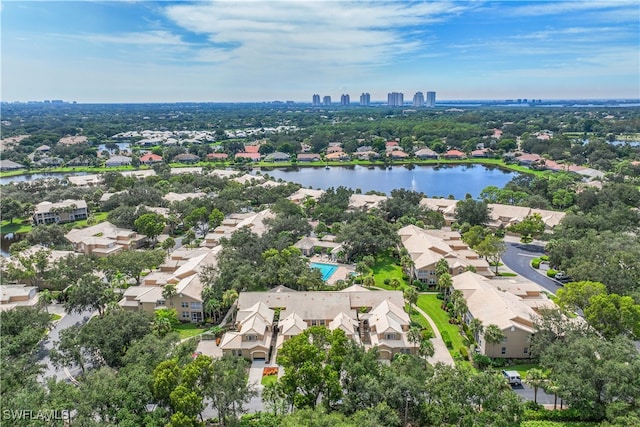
[
  {"x": 527, "y": 159},
  {"x": 397, "y": 154},
  {"x": 454, "y": 155},
  {"x": 252, "y": 148},
  {"x": 150, "y": 158},
  {"x": 480, "y": 153},
  {"x": 247, "y": 155},
  {"x": 391, "y": 144}
]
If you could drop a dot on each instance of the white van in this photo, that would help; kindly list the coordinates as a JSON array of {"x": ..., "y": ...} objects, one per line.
[{"x": 513, "y": 377}]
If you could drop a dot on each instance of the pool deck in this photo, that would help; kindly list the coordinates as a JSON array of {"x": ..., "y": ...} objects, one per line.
[{"x": 341, "y": 273}]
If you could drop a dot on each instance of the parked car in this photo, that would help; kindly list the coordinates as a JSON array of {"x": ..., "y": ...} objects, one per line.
[
  {"x": 513, "y": 377},
  {"x": 563, "y": 277}
]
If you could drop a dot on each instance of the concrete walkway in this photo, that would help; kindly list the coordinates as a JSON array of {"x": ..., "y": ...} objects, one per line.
[{"x": 441, "y": 353}]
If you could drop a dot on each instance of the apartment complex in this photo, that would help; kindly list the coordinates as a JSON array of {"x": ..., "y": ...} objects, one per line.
[
  {"x": 427, "y": 247},
  {"x": 395, "y": 99},
  {"x": 326, "y": 100},
  {"x": 431, "y": 99},
  {"x": 365, "y": 99},
  {"x": 418, "y": 99},
  {"x": 512, "y": 306},
  {"x": 345, "y": 99},
  {"x": 60, "y": 212},
  {"x": 315, "y": 100},
  {"x": 371, "y": 318}
]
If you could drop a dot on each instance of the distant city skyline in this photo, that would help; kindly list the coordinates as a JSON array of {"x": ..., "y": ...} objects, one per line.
[{"x": 209, "y": 51}]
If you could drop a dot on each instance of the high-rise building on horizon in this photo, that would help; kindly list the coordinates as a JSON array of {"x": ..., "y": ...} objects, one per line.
[
  {"x": 316, "y": 100},
  {"x": 395, "y": 99},
  {"x": 431, "y": 99},
  {"x": 418, "y": 99},
  {"x": 345, "y": 99},
  {"x": 365, "y": 99},
  {"x": 326, "y": 100}
]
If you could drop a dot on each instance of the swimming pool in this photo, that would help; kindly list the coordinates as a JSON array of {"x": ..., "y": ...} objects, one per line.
[{"x": 327, "y": 270}]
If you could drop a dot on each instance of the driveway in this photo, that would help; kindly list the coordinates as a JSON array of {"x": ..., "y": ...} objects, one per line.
[
  {"x": 66, "y": 321},
  {"x": 518, "y": 258},
  {"x": 440, "y": 352}
]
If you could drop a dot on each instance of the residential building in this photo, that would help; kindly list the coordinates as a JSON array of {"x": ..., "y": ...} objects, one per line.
[
  {"x": 308, "y": 157},
  {"x": 418, "y": 99},
  {"x": 254, "y": 221},
  {"x": 431, "y": 99},
  {"x": 305, "y": 193},
  {"x": 371, "y": 318},
  {"x": 326, "y": 100},
  {"x": 365, "y": 201},
  {"x": 9, "y": 165},
  {"x": 365, "y": 99},
  {"x": 254, "y": 157},
  {"x": 182, "y": 271},
  {"x": 345, "y": 99},
  {"x": 426, "y": 153},
  {"x": 218, "y": 157},
  {"x": 60, "y": 212},
  {"x": 104, "y": 239},
  {"x": 114, "y": 161},
  {"x": 150, "y": 159},
  {"x": 277, "y": 157},
  {"x": 186, "y": 158},
  {"x": 513, "y": 307},
  {"x": 315, "y": 100},
  {"x": 395, "y": 99},
  {"x": 427, "y": 247},
  {"x": 12, "y": 296},
  {"x": 454, "y": 155}
]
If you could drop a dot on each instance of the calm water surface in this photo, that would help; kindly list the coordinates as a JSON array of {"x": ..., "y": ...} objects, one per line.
[{"x": 434, "y": 181}]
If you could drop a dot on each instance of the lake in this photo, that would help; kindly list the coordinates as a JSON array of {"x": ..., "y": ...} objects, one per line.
[
  {"x": 35, "y": 176},
  {"x": 434, "y": 181}
]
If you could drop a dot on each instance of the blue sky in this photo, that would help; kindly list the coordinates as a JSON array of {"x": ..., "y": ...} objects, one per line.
[{"x": 239, "y": 51}]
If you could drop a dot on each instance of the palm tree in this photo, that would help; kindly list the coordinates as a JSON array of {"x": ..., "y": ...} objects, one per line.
[
  {"x": 169, "y": 292},
  {"x": 476, "y": 327},
  {"x": 493, "y": 335},
  {"x": 44, "y": 299},
  {"x": 442, "y": 267},
  {"x": 414, "y": 335},
  {"x": 369, "y": 282},
  {"x": 536, "y": 379},
  {"x": 229, "y": 297},
  {"x": 394, "y": 283},
  {"x": 407, "y": 265},
  {"x": 411, "y": 296},
  {"x": 445, "y": 282},
  {"x": 426, "y": 349},
  {"x": 550, "y": 386},
  {"x": 459, "y": 304}
]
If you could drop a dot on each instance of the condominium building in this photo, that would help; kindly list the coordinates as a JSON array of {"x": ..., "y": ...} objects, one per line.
[
  {"x": 60, "y": 212},
  {"x": 431, "y": 99},
  {"x": 326, "y": 100},
  {"x": 316, "y": 100},
  {"x": 418, "y": 99},
  {"x": 345, "y": 99},
  {"x": 395, "y": 99},
  {"x": 365, "y": 99}
]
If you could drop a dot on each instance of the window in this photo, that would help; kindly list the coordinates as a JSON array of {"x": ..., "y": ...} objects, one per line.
[
  {"x": 160, "y": 303},
  {"x": 196, "y": 316},
  {"x": 196, "y": 306},
  {"x": 185, "y": 315},
  {"x": 184, "y": 304},
  {"x": 314, "y": 323},
  {"x": 526, "y": 350},
  {"x": 250, "y": 338},
  {"x": 504, "y": 350},
  {"x": 389, "y": 336},
  {"x": 321, "y": 322},
  {"x": 504, "y": 339}
]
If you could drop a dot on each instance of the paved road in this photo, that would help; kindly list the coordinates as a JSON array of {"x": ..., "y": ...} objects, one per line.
[
  {"x": 527, "y": 394},
  {"x": 54, "y": 335},
  {"x": 518, "y": 258}
]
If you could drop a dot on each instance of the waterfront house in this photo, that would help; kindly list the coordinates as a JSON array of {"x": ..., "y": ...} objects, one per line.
[
  {"x": 60, "y": 212},
  {"x": 150, "y": 159},
  {"x": 308, "y": 157},
  {"x": 426, "y": 154},
  {"x": 115, "y": 161}
]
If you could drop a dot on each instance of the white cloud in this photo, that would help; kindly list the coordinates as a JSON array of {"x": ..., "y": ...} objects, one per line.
[
  {"x": 135, "y": 38},
  {"x": 542, "y": 8},
  {"x": 311, "y": 32}
]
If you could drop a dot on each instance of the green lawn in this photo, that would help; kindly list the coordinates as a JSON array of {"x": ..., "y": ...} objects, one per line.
[
  {"x": 431, "y": 305},
  {"x": 188, "y": 330},
  {"x": 99, "y": 216},
  {"x": 18, "y": 226},
  {"x": 419, "y": 319},
  {"x": 386, "y": 268}
]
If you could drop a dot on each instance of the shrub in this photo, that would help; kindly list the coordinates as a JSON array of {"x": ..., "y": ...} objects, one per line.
[
  {"x": 449, "y": 344},
  {"x": 544, "y": 257},
  {"x": 551, "y": 272},
  {"x": 427, "y": 334},
  {"x": 533, "y": 406},
  {"x": 556, "y": 415},
  {"x": 481, "y": 361},
  {"x": 387, "y": 281},
  {"x": 464, "y": 353},
  {"x": 535, "y": 263},
  {"x": 498, "y": 362}
]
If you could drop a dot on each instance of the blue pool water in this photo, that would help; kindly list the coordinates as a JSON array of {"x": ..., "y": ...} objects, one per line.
[{"x": 327, "y": 270}]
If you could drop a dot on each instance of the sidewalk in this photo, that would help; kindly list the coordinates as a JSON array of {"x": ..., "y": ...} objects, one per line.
[{"x": 441, "y": 353}]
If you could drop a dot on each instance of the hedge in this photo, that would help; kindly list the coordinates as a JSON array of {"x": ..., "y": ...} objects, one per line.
[
  {"x": 535, "y": 263},
  {"x": 551, "y": 272},
  {"x": 557, "y": 415}
]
